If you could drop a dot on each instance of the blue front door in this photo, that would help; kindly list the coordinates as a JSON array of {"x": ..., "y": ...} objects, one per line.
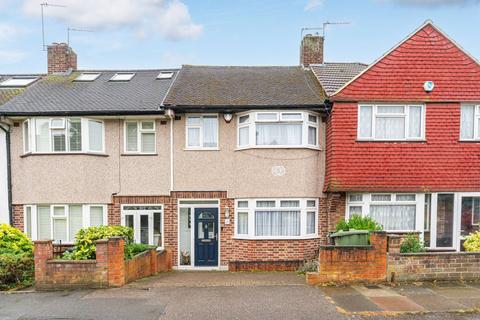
[{"x": 206, "y": 237}]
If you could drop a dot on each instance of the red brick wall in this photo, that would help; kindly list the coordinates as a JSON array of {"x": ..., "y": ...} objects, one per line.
[
  {"x": 311, "y": 50},
  {"x": 18, "y": 216},
  {"x": 146, "y": 264},
  {"x": 441, "y": 163},
  {"x": 61, "y": 58},
  {"x": 353, "y": 264}
]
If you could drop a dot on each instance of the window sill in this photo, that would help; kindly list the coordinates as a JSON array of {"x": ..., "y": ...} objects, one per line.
[
  {"x": 278, "y": 147},
  {"x": 201, "y": 149},
  {"x": 64, "y": 154},
  {"x": 139, "y": 154},
  {"x": 389, "y": 140},
  {"x": 306, "y": 237}
]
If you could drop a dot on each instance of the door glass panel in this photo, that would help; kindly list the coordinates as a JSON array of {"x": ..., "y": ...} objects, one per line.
[
  {"x": 206, "y": 215},
  {"x": 470, "y": 215},
  {"x": 200, "y": 230},
  {"x": 157, "y": 229},
  {"x": 144, "y": 238},
  {"x": 129, "y": 220},
  {"x": 211, "y": 230},
  {"x": 445, "y": 206}
]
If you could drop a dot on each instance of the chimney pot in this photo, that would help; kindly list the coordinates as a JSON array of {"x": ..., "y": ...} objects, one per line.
[
  {"x": 311, "y": 50},
  {"x": 61, "y": 58}
]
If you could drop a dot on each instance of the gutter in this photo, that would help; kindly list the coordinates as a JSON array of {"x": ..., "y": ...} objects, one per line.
[
  {"x": 236, "y": 108},
  {"x": 9, "y": 173},
  {"x": 86, "y": 113}
]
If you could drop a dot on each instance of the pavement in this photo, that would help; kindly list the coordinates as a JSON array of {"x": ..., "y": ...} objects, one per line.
[{"x": 224, "y": 295}]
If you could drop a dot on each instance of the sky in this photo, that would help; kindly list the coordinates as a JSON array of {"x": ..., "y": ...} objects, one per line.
[{"x": 142, "y": 34}]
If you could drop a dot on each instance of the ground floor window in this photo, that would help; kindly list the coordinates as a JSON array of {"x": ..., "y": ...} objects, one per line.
[
  {"x": 146, "y": 221},
  {"x": 61, "y": 222},
  {"x": 275, "y": 218}
]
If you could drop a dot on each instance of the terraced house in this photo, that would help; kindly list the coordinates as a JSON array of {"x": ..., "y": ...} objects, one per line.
[{"x": 225, "y": 165}]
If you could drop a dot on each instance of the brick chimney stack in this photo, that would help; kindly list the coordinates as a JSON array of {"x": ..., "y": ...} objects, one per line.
[
  {"x": 61, "y": 58},
  {"x": 311, "y": 50}
]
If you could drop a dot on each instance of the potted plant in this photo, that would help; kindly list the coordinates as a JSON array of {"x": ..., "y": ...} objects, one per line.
[
  {"x": 355, "y": 231},
  {"x": 185, "y": 257}
]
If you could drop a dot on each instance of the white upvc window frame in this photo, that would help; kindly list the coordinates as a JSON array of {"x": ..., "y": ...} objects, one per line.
[
  {"x": 136, "y": 220},
  {"x": 85, "y": 217},
  {"x": 26, "y": 134},
  {"x": 201, "y": 128},
  {"x": 252, "y": 207},
  {"x": 367, "y": 201},
  {"x": 31, "y": 136},
  {"x": 405, "y": 115},
  {"x": 279, "y": 117},
  {"x": 476, "y": 119},
  {"x": 140, "y": 130}
]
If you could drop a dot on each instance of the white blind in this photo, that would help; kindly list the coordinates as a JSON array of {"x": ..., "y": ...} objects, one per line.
[
  {"x": 75, "y": 220},
  {"x": 390, "y": 128},
  {"x": 96, "y": 216},
  {"x": 285, "y": 134},
  {"x": 42, "y": 135},
  {"x": 131, "y": 139},
  {"x": 365, "y": 122},
  {"x": 28, "y": 221},
  {"x": 242, "y": 223},
  {"x": 60, "y": 229},
  {"x": 148, "y": 142},
  {"x": 210, "y": 129},
  {"x": 467, "y": 118},
  {"x": 95, "y": 134},
  {"x": 75, "y": 134},
  {"x": 394, "y": 217},
  {"x": 193, "y": 137},
  {"x": 43, "y": 222},
  {"x": 243, "y": 138},
  {"x": 310, "y": 222},
  {"x": 415, "y": 122}
]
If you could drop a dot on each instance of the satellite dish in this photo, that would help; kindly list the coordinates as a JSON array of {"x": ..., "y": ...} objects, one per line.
[{"x": 428, "y": 86}]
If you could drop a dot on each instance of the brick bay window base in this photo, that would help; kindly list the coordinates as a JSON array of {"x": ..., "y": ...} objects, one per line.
[{"x": 199, "y": 228}]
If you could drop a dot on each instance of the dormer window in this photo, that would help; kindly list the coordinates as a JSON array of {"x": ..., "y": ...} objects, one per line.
[
  {"x": 88, "y": 76},
  {"x": 122, "y": 76}
]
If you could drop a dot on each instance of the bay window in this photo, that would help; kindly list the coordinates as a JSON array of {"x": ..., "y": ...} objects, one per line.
[
  {"x": 470, "y": 122},
  {"x": 270, "y": 129},
  {"x": 57, "y": 135},
  {"x": 61, "y": 222},
  {"x": 276, "y": 218},
  {"x": 395, "y": 212},
  {"x": 202, "y": 131},
  {"x": 391, "y": 122},
  {"x": 140, "y": 136}
]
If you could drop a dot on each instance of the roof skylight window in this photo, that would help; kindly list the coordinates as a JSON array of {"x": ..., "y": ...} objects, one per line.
[
  {"x": 165, "y": 75},
  {"x": 18, "y": 81},
  {"x": 88, "y": 76},
  {"x": 123, "y": 76}
]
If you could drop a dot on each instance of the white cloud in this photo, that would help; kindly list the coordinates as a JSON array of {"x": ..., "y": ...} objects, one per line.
[
  {"x": 168, "y": 18},
  {"x": 428, "y": 3},
  {"x": 312, "y": 4},
  {"x": 11, "y": 56},
  {"x": 9, "y": 31}
]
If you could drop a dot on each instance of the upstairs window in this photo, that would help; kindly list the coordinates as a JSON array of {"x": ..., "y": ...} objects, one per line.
[
  {"x": 122, "y": 77},
  {"x": 88, "y": 76},
  {"x": 18, "y": 81},
  {"x": 202, "y": 132},
  {"x": 277, "y": 129},
  {"x": 470, "y": 122},
  {"x": 391, "y": 122},
  {"x": 140, "y": 136},
  {"x": 57, "y": 135}
]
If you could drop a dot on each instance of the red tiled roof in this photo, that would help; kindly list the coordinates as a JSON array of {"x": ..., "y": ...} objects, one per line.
[{"x": 427, "y": 55}]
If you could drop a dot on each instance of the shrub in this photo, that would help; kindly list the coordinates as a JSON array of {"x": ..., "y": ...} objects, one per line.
[
  {"x": 16, "y": 270},
  {"x": 85, "y": 248},
  {"x": 358, "y": 222},
  {"x": 308, "y": 266},
  {"x": 472, "y": 242},
  {"x": 14, "y": 241},
  {"x": 132, "y": 249},
  {"x": 410, "y": 244}
]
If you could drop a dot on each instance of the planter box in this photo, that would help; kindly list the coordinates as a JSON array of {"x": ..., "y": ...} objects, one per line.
[{"x": 351, "y": 238}]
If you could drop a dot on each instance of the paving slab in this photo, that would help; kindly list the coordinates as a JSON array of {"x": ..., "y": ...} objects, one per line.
[
  {"x": 397, "y": 304},
  {"x": 355, "y": 303},
  {"x": 411, "y": 289},
  {"x": 339, "y": 291},
  {"x": 472, "y": 303},
  {"x": 457, "y": 292},
  {"x": 376, "y": 291},
  {"x": 435, "y": 303}
]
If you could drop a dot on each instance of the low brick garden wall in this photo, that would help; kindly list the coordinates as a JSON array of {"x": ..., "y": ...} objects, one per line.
[
  {"x": 108, "y": 270},
  {"x": 428, "y": 266}
]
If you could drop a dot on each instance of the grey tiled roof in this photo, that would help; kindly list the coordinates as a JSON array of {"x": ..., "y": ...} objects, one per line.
[
  {"x": 333, "y": 75},
  {"x": 244, "y": 86},
  {"x": 61, "y": 94}
]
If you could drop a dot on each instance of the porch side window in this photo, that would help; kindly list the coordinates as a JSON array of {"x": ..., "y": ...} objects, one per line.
[
  {"x": 277, "y": 129},
  {"x": 395, "y": 212},
  {"x": 58, "y": 135},
  {"x": 140, "y": 137},
  {"x": 202, "y": 132},
  {"x": 276, "y": 218},
  {"x": 470, "y": 122},
  {"x": 391, "y": 122}
]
